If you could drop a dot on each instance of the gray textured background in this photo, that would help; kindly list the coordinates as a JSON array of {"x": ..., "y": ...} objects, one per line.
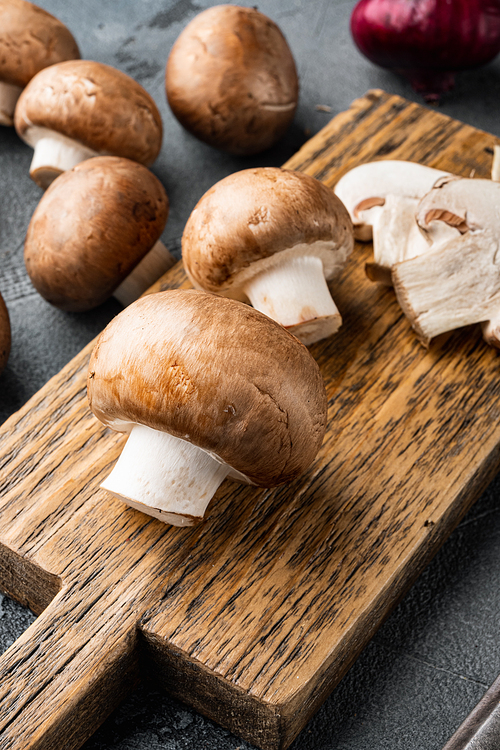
[{"x": 432, "y": 660}]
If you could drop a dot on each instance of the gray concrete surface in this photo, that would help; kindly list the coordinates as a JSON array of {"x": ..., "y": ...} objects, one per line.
[{"x": 440, "y": 649}]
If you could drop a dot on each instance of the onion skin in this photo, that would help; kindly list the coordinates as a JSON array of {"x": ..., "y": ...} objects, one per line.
[{"x": 427, "y": 41}]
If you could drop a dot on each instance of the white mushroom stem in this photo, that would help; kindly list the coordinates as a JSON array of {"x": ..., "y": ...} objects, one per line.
[
  {"x": 294, "y": 292},
  {"x": 165, "y": 477},
  {"x": 495, "y": 168},
  {"x": 455, "y": 285},
  {"x": 9, "y": 94},
  {"x": 154, "y": 264},
  {"x": 54, "y": 154}
]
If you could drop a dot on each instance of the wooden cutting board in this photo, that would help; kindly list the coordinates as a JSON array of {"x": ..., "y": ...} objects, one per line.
[{"x": 254, "y": 616}]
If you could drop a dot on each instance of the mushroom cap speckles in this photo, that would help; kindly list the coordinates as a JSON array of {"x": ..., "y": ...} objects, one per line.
[
  {"x": 95, "y": 105},
  {"x": 5, "y": 339},
  {"x": 91, "y": 228},
  {"x": 255, "y": 214},
  {"x": 31, "y": 39},
  {"x": 216, "y": 373},
  {"x": 231, "y": 79}
]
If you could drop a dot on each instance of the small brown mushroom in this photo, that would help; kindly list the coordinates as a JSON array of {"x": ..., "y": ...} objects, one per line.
[
  {"x": 95, "y": 233},
  {"x": 78, "y": 109},
  {"x": 271, "y": 236},
  {"x": 5, "y": 335},
  {"x": 30, "y": 39},
  {"x": 206, "y": 387},
  {"x": 231, "y": 79}
]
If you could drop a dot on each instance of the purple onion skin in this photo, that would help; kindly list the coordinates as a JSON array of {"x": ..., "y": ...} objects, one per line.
[{"x": 427, "y": 40}]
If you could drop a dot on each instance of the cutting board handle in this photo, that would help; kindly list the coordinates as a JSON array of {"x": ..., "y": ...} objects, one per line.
[{"x": 64, "y": 675}]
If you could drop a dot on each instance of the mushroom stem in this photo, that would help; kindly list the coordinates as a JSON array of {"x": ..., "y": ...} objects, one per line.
[
  {"x": 9, "y": 94},
  {"x": 154, "y": 264},
  {"x": 54, "y": 154},
  {"x": 495, "y": 167},
  {"x": 165, "y": 477},
  {"x": 295, "y": 293},
  {"x": 454, "y": 285}
]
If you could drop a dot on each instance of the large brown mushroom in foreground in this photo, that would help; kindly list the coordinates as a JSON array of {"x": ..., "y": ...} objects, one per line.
[
  {"x": 206, "y": 387},
  {"x": 5, "y": 336},
  {"x": 271, "y": 236},
  {"x": 81, "y": 108},
  {"x": 95, "y": 233},
  {"x": 30, "y": 39},
  {"x": 231, "y": 79}
]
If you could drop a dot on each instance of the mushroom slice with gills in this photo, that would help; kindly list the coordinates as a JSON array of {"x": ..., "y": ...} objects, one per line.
[
  {"x": 381, "y": 197},
  {"x": 80, "y": 108},
  {"x": 95, "y": 233},
  {"x": 206, "y": 387},
  {"x": 30, "y": 39},
  {"x": 272, "y": 237},
  {"x": 5, "y": 334},
  {"x": 457, "y": 283}
]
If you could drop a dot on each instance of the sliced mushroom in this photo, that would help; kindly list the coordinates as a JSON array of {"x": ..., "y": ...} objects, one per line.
[
  {"x": 78, "y": 109},
  {"x": 95, "y": 233},
  {"x": 458, "y": 282},
  {"x": 206, "y": 387},
  {"x": 30, "y": 39},
  {"x": 231, "y": 79},
  {"x": 5, "y": 334},
  {"x": 382, "y": 197},
  {"x": 273, "y": 237}
]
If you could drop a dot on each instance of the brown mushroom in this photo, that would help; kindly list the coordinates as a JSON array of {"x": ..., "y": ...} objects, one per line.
[
  {"x": 78, "y": 109},
  {"x": 271, "y": 236},
  {"x": 206, "y": 387},
  {"x": 95, "y": 233},
  {"x": 231, "y": 79},
  {"x": 30, "y": 39},
  {"x": 5, "y": 338}
]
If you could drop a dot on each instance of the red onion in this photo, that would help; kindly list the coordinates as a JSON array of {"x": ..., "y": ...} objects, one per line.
[{"x": 428, "y": 41}]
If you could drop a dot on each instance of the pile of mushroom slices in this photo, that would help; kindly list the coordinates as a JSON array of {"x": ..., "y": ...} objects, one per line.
[
  {"x": 207, "y": 388},
  {"x": 436, "y": 239},
  {"x": 271, "y": 237}
]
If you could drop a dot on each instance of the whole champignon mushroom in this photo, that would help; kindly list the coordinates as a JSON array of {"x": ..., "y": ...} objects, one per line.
[
  {"x": 5, "y": 338},
  {"x": 95, "y": 233},
  {"x": 382, "y": 198},
  {"x": 231, "y": 79},
  {"x": 458, "y": 283},
  {"x": 206, "y": 387},
  {"x": 271, "y": 236},
  {"x": 81, "y": 108},
  {"x": 30, "y": 39}
]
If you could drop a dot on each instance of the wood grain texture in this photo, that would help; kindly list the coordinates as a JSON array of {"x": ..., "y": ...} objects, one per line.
[{"x": 255, "y": 615}]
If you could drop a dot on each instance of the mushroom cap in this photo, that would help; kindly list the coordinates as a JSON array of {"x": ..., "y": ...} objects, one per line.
[
  {"x": 244, "y": 221},
  {"x": 91, "y": 228},
  {"x": 31, "y": 39},
  {"x": 5, "y": 339},
  {"x": 216, "y": 373},
  {"x": 95, "y": 105},
  {"x": 231, "y": 79}
]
